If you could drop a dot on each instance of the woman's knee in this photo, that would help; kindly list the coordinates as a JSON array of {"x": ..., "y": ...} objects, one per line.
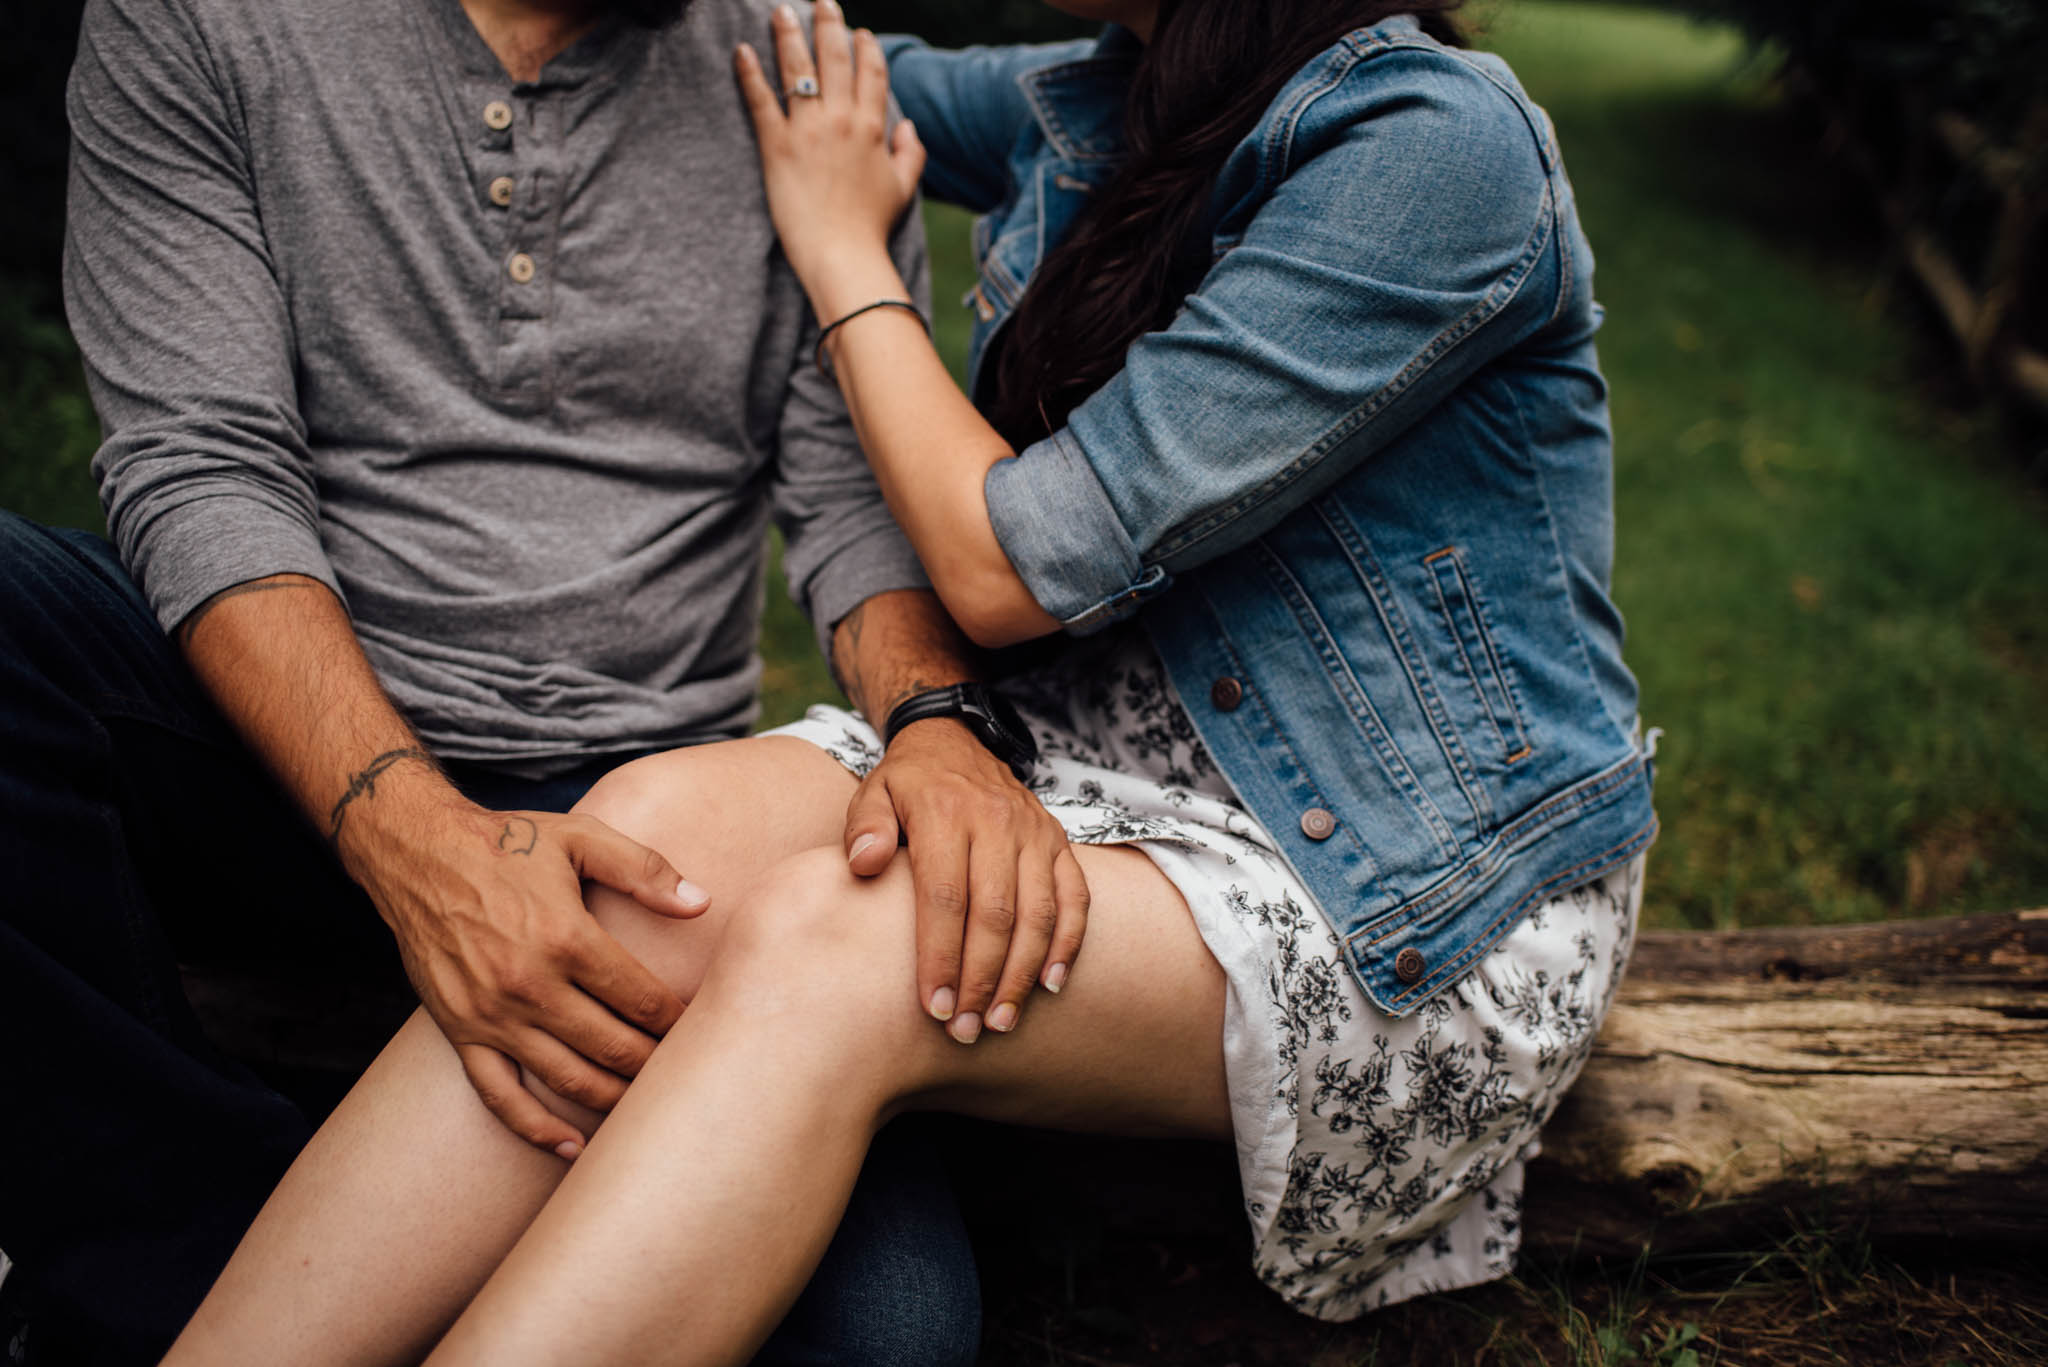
[{"x": 812, "y": 936}]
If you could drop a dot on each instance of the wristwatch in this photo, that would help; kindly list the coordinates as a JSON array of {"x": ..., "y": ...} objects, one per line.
[{"x": 987, "y": 714}]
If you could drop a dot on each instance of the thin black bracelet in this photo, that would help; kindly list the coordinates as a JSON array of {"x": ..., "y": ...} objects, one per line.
[{"x": 830, "y": 328}]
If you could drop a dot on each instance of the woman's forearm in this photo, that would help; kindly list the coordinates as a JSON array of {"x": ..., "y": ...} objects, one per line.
[{"x": 930, "y": 449}]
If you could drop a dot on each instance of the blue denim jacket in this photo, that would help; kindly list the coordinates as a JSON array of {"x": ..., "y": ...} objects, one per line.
[{"x": 1359, "y": 493}]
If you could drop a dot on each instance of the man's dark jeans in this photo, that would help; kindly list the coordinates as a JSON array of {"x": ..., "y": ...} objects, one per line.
[{"x": 135, "y": 830}]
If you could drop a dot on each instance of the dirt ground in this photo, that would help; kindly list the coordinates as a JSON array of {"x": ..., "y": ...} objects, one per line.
[{"x": 1120, "y": 1269}]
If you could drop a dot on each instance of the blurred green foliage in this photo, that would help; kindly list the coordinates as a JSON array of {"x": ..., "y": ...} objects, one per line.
[{"x": 1985, "y": 58}]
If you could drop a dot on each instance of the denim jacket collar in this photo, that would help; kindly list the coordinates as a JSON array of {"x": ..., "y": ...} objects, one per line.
[{"x": 1079, "y": 105}]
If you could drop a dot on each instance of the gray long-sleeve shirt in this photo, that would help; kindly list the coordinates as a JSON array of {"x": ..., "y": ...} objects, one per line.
[{"x": 516, "y": 369}]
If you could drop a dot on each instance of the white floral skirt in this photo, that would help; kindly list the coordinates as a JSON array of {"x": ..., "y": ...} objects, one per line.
[{"x": 1381, "y": 1158}]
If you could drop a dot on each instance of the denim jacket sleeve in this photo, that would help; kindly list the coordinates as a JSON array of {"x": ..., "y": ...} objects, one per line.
[
  {"x": 968, "y": 109},
  {"x": 1400, "y": 217}
]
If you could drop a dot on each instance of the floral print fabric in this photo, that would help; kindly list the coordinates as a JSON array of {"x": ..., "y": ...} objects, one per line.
[{"x": 1381, "y": 1158}]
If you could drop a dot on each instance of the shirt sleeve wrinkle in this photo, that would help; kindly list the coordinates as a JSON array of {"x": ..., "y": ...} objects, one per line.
[
  {"x": 1388, "y": 265},
  {"x": 184, "y": 332}
]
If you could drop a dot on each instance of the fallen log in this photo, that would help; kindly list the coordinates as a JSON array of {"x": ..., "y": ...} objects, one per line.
[{"x": 1893, "y": 1075}]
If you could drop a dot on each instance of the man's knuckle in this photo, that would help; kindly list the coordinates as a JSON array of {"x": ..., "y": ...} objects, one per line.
[
  {"x": 947, "y": 897},
  {"x": 996, "y": 913}
]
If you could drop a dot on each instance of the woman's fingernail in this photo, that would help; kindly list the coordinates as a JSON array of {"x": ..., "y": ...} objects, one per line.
[
  {"x": 861, "y": 846},
  {"x": 966, "y": 1027},
  {"x": 690, "y": 895},
  {"x": 1003, "y": 1019},
  {"x": 942, "y": 1004},
  {"x": 786, "y": 13},
  {"x": 1055, "y": 978},
  {"x": 831, "y": 7},
  {"x": 568, "y": 1149}
]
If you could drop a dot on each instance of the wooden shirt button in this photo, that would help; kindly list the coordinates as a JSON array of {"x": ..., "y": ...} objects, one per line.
[
  {"x": 520, "y": 268},
  {"x": 501, "y": 191},
  {"x": 497, "y": 116}
]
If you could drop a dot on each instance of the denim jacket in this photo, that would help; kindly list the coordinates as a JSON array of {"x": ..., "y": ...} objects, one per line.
[{"x": 1358, "y": 493}]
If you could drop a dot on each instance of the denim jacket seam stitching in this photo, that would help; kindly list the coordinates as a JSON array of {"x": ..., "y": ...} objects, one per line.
[
  {"x": 1352, "y": 542},
  {"x": 1033, "y": 84},
  {"x": 1555, "y": 200},
  {"x": 1565, "y": 806},
  {"x": 1483, "y": 622},
  {"x": 1490, "y": 307},
  {"x": 1436, "y": 584},
  {"x": 1379, "y": 736},
  {"x": 1484, "y": 940}
]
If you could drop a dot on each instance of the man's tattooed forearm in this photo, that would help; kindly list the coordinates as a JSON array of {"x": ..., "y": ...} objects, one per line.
[
  {"x": 845, "y": 659},
  {"x": 906, "y": 693},
  {"x": 192, "y": 619},
  {"x": 364, "y": 784}
]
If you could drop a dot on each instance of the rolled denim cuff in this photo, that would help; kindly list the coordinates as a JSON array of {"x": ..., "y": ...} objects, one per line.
[{"x": 1056, "y": 524}]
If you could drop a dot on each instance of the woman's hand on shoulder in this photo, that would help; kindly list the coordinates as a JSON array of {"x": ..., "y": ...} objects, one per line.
[{"x": 838, "y": 180}]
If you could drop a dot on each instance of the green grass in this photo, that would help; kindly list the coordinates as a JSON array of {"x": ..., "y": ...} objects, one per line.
[{"x": 1836, "y": 593}]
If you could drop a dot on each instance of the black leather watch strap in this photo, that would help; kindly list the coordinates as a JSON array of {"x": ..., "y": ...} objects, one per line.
[
  {"x": 951, "y": 701},
  {"x": 987, "y": 714}
]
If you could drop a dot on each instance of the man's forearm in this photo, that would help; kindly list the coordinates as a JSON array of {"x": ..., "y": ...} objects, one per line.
[
  {"x": 896, "y": 645},
  {"x": 280, "y": 658}
]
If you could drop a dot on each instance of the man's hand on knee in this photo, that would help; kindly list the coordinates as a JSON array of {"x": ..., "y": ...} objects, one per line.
[{"x": 489, "y": 914}]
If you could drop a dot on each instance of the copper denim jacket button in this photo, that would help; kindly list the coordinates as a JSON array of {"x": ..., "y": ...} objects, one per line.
[
  {"x": 1409, "y": 965},
  {"x": 1318, "y": 824},
  {"x": 1226, "y": 694}
]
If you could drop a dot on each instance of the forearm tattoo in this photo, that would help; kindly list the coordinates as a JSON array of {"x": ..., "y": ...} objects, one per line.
[
  {"x": 364, "y": 784},
  {"x": 845, "y": 659}
]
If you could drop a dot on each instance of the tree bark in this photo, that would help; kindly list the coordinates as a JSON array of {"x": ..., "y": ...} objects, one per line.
[{"x": 1893, "y": 1076}]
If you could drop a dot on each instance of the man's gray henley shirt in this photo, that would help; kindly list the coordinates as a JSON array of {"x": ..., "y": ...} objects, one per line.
[{"x": 516, "y": 369}]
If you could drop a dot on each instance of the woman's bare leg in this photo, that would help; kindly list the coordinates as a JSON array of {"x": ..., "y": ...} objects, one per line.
[
  {"x": 689, "y": 1225},
  {"x": 411, "y": 1193}
]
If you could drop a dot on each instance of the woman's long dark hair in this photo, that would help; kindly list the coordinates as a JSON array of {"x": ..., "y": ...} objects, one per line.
[{"x": 1212, "y": 68}]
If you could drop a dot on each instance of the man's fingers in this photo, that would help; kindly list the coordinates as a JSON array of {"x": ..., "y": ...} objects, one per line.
[
  {"x": 567, "y": 1073},
  {"x": 607, "y": 972},
  {"x": 938, "y": 877},
  {"x": 872, "y": 833},
  {"x": 1070, "y": 891},
  {"x": 835, "y": 51},
  {"x": 991, "y": 921},
  {"x": 583, "y": 1023},
  {"x": 1037, "y": 913},
  {"x": 602, "y": 855},
  {"x": 496, "y": 1080}
]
